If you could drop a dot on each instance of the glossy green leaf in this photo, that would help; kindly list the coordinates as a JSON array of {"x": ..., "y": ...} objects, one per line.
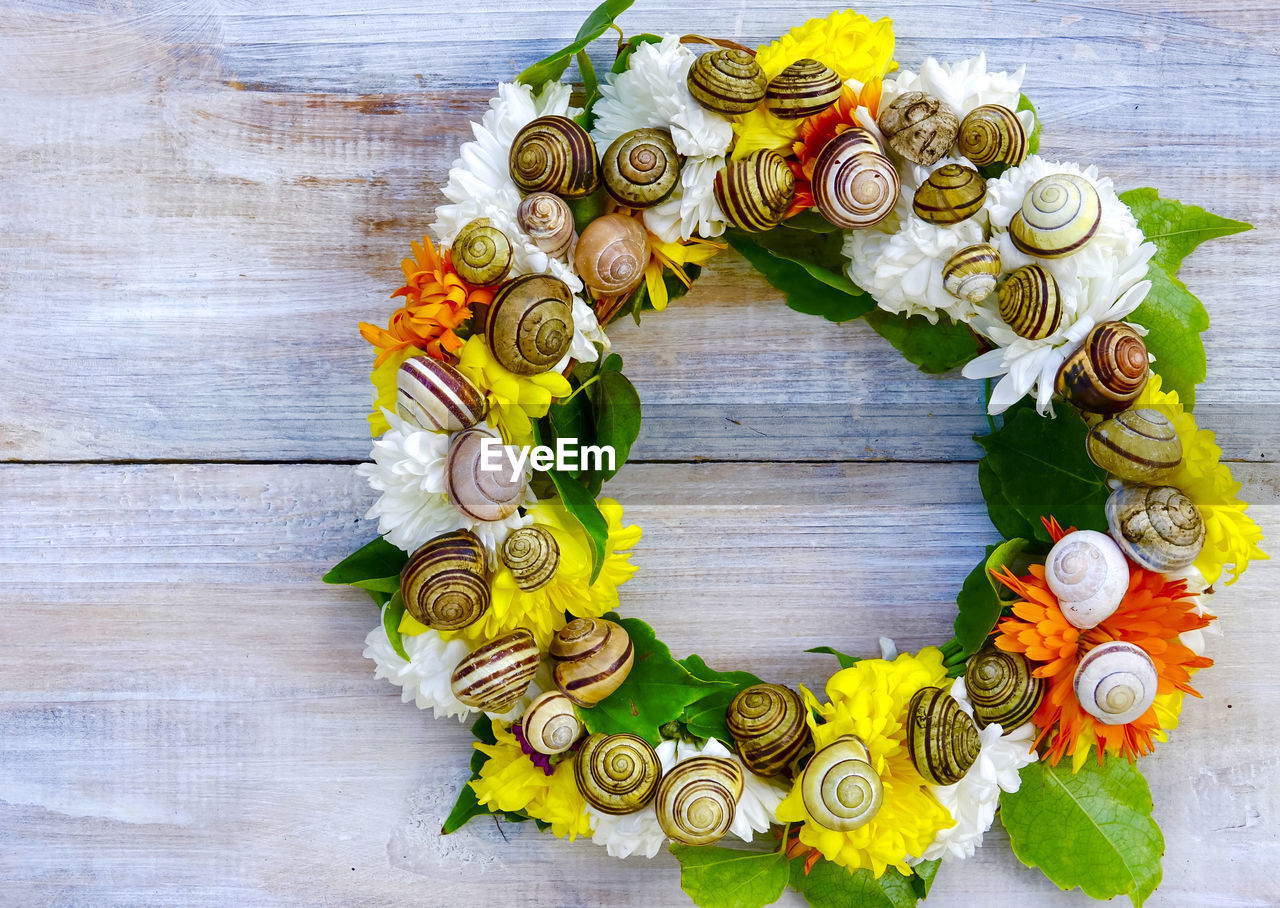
[
  {"x": 392, "y": 612},
  {"x": 1176, "y": 228},
  {"x": 379, "y": 584},
  {"x": 1003, "y": 515},
  {"x": 705, "y": 717},
  {"x": 820, "y": 253},
  {"x": 1033, "y": 140},
  {"x": 581, "y": 505},
  {"x": 552, "y": 67},
  {"x": 1175, "y": 319},
  {"x": 588, "y": 208},
  {"x": 933, "y": 348},
  {"x": 829, "y": 885},
  {"x": 617, "y": 415},
  {"x": 831, "y": 295},
  {"x": 844, "y": 659},
  {"x": 467, "y": 807},
  {"x": 979, "y": 602},
  {"x": 717, "y": 877},
  {"x": 378, "y": 558},
  {"x": 924, "y": 874}
]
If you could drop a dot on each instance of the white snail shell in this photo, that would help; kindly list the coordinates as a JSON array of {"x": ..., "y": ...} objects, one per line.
[
  {"x": 1088, "y": 573},
  {"x": 551, "y": 724},
  {"x": 1116, "y": 682},
  {"x": 840, "y": 787},
  {"x": 480, "y": 493},
  {"x": 696, "y": 799}
]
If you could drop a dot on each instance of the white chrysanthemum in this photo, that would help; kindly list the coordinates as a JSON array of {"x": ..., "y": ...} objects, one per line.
[
  {"x": 425, "y": 678},
  {"x": 1102, "y": 282},
  {"x": 692, "y": 207}
]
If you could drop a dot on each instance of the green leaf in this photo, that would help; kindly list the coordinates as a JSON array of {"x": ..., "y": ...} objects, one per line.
[
  {"x": 922, "y": 879},
  {"x": 1004, "y": 516},
  {"x": 379, "y": 584},
  {"x": 617, "y": 415},
  {"x": 1176, "y": 319},
  {"x": 1176, "y": 228},
  {"x": 629, "y": 47},
  {"x": 730, "y": 878},
  {"x": 979, "y": 602},
  {"x": 705, "y": 716},
  {"x": 811, "y": 220},
  {"x": 581, "y": 505},
  {"x": 392, "y": 612},
  {"x": 552, "y": 67},
  {"x": 588, "y": 208},
  {"x": 844, "y": 659},
  {"x": 933, "y": 348},
  {"x": 808, "y": 287},
  {"x": 378, "y": 558},
  {"x": 829, "y": 885},
  {"x": 1091, "y": 829},
  {"x": 820, "y": 254},
  {"x": 1033, "y": 140}
]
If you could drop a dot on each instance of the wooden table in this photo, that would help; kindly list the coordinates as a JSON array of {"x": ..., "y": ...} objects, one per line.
[{"x": 198, "y": 202}]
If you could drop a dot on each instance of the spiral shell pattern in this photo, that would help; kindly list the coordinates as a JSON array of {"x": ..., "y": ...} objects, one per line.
[
  {"x": 612, "y": 254},
  {"x": 1157, "y": 526},
  {"x": 768, "y": 725},
  {"x": 549, "y": 223},
  {"x": 617, "y": 774},
  {"x": 727, "y": 81},
  {"x": 532, "y": 555},
  {"x": 756, "y": 192},
  {"x": 1002, "y": 688},
  {"x": 554, "y": 154},
  {"x": 1059, "y": 215},
  {"x": 971, "y": 273},
  {"x": 1087, "y": 573},
  {"x": 919, "y": 127},
  {"x": 529, "y": 325},
  {"x": 992, "y": 134},
  {"x": 803, "y": 89},
  {"x": 443, "y": 584},
  {"x": 480, "y": 493},
  {"x": 592, "y": 657},
  {"x": 481, "y": 253},
  {"x": 1031, "y": 302},
  {"x": 951, "y": 194},
  {"x": 1116, "y": 682},
  {"x": 1136, "y": 446},
  {"x": 696, "y": 800},
  {"x": 641, "y": 167},
  {"x": 551, "y": 724},
  {"x": 494, "y": 676},
  {"x": 1107, "y": 372},
  {"x": 854, "y": 185},
  {"x": 942, "y": 739},
  {"x": 435, "y": 396},
  {"x": 840, "y": 788}
]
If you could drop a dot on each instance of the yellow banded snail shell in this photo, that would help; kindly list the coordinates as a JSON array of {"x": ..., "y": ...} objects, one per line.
[
  {"x": 1087, "y": 573},
  {"x": 532, "y": 555},
  {"x": 617, "y": 774},
  {"x": 479, "y": 492},
  {"x": 768, "y": 725},
  {"x": 641, "y": 167},
  {"x": 951, "y": 194},
  {"x": 481, "y": 253},
  {"x": 437, "y": 397},
  {"x": 1136, "y": 446},
  {"x": 803, "y": 89},
  {"x": 592, "y": 658},
  {"x": 696, "y": 799},
  {"x": 444, "y": 583},
  {"x": 529, "y": 326},
  {"x": 756, "y": 192},
  {"x": 549, "y": 223},
  {"x": 1031, "y": 302},
  {"x": 840, "y": 788},
  {"x": 992, "y": 134},
  {"x": 1107, "y": 372},
  {"x": 971, "y": 273},
  {"x": 942, "y": 739},
  {"x": 494, "y": 676},
  {"x": 1157, "y": 526},
  {"x": 727, "y": 81},
  {"x": 919, "y": 127},
  {"x": 1002, "y": 688},
  {"x": 1116, "y": 682},
  {"x": 551, "y": 724},
  {"x": 854, "y": 185},
  {"x": 554, "y": 154},
  {"x": 612, "y": 254},
  {"x": 1060, "y": 214}
]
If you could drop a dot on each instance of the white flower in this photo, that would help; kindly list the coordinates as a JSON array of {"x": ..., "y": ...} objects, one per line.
[
  {"x": 425, "y": 678},
  {"x": 692, "y": 207}
]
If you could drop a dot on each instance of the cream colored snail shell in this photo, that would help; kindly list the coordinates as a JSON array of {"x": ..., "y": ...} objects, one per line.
[
  {"x": 768, "y": 725},
  {"x": 435, "y": 396},
  {"x": 592, "y": 658},
  {"x": 1107, "y": 372},
  {"x": 612, "y": 254},
  {"x": 529, "y": 325},
  {"x": 641, "y": 167},
  {"x": 942, "y": 739},
  {"x": 1060, "y": 214},
  {"x": 854, "y": 185},
  {"x": 727, "y": 81},
  {"x": 444, "y": 584},
  {"x": 481, "y": 253},
  {"x": 803, "y": 89},
  {"x": 992, "y": 134},
  {"x": 1087, "y": 571},
  {"x": 532, "y": 555},
  {"x": 840, "y": 788},
  {"x": 1002, "y": 688},
  {"x": 617, "y": 774},
  {"x": 755, "y": 192},
  {"x": 1157, "y": 526},
  {"x": 951, "y": 194},
  {"x": 1116, "y": 682},
  {"x": 1136, "y": 446},
  {"x": 919, "y": 127},
  {"x": 696, "y": 799},
  {"x": 549, "y": 223},
  {"x": 551, "y": 724},
  {"x": 554, "y": 154},
  {"x": 494, "y": 676},
  {"x": 1031, "y": 302},
  {"x": 971, "y": 273},
  {"x": 479, "y": 492}
]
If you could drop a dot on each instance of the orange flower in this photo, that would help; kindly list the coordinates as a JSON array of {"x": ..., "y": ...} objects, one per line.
[
  {"x": 436, "y": 302},
  {"x": 1152, "y": 615},
  {"x": 818, "y": 130}
]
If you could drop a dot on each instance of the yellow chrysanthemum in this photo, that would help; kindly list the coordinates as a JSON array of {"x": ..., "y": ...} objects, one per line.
[
  {"x": 1231, "y": 538},
  {"x": 384, "y": 385},
  {"x": 850, "y": 43},
  {"x": 509, "y": 781},
  {"x": 869, "y": 699},
  {"x": 514, "y": 400}
]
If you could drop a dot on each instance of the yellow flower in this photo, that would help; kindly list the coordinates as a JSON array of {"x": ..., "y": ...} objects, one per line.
[
  {"x": 1231, "y": 538},
  {"x": 384, "y": 384},
  {"x": 1168, "y": 709},
  {"x": 509, "y": 782},
  {"x": 869, "y": 699},
  {"x": 514, "y": 400},
  {"x": 674, "y": 256}
]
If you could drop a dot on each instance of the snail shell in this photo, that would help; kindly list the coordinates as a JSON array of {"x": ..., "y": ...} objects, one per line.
[
  {"x": 803, "y": 89},
  {"x": 971, "y": 273},
  {"x": 1002, "y": 688},
  {"x": 481, "y": 253},
  {"x": 554, "y": 154},
  {"x": 641, "y": 167},
  {"x": 1107, "y": 372},
  {"x": 992, "y": 133},
  {"x": 941, "y": 737},
  {"x": 840, "y": 787},
  {"x": 532, "y": 555},
  {"x": 1136, "y": 446},
  {"x": 727, "y": 81},
  {"x": 480, "y": 493},
  {"x": 1087, "y": 572},
  {"x": 696, "y": 799},
  {"x": 592, "y": 658},
  {"x": 444, "y": 583},
  {"x": 551, "y": 724},
  {"x": 494, "y": 676},
  {"x": 1157, "y": 526},
  {"x": 612, "y": 254},
  {"x": 756, "y": 192},
  {"x": 1116, "y": 682},
  {"x": 919, "y": 127},
  {"x": 437, "y": 397},
  {"x": 1031, "y": 302},
  {"x": 617, "y": 774},
  {"x": 951, "y": 194},
  {"x": 529, "y": 325},
  {"x": 768, "y": 724},
  {"x": 1059, "y": 215},
  {"x": 549, "y": 223},
  {"x": 854, "y": 185}
]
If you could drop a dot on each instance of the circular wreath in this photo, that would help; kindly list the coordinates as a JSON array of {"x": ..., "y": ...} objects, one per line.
[{"x": 916, "y": 199}]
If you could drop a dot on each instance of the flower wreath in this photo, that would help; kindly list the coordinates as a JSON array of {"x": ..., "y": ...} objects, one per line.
[{"x": 918, "y": 201}]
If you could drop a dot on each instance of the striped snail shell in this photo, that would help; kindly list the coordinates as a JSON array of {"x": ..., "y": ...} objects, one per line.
[
  {"x": 942, "y": 739},
  {"x": 532, "y": 555},
  {"x": 494, "y": 676},
  {"x": 1031, "y": 302},
  {"x": 1136, "y": 446},
  {"x": 854, "y": 185},
  {"x": 919, "y": 127},
  {"x": 803, "y": 89},
  {"x": 1087, "y": 572},
  {"x": 992, "y": 133},
  {"x": 756, "y": 192},
  {"x": 1116, "y": 682},
  {"x": 1157, "y": 526},
  {"x": 481, "y": 253},
  {"x": 444, "y": 583},
  {"x": 554, "y": 154},
  {"x": 480, "y": 493},
  {"x": 592, "y": 658},
  {"x": 1107, "y": 372},
  {"x": 840, "y": 788},
  {"x": 727, "y": 81},
  {"x": 1002, "y": 688},
  {"x": 437, "y": 397},
  {"x": 951, "y": 194},
  {"x": 551, "y": 724},
  {"x": 612, "y": 254},
  {"x": 1060, "y": 214},
  {"x": 696, "y": 799},
  {"x": 971, "y": 273},
  {"x": 641, "y": 167},
  {"x": 549, "y": 223},
  {"x": 768, "y": 725},
  {"x": 529, "y": 325},
  {"x": 617, "y": 774}
]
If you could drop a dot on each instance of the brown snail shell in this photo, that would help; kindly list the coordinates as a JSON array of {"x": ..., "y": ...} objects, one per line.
[
  {"x": 992, "y": 134},
  {"x": 696, "y": 799},
  {"x": 919, "y": 127},
  {"x": 641, "y": 167},
  {"x": 1107, "y": 372},
  {"x": 1002, "y": 688},
  {"x": 495, "y": 676},
  {"x": 617, "y": 774},
  {"x": 612, "y": 254},
  {"x": 1157, "y": 526},
  {"x": 942, "y": 739},
  {"x": 840, "y": 788},
  {"x": 549, "y": 223},
  {"x": 727, "y": 81},
  {"x": 444, "y": 584},
  {"x": 532, "y": 555},
  {"x": 1137, "y": 446},
  {"x": 1059, "y": 215},
  {"x": 803, "y": 89},
  {"x": 435, "y": 396},
  {"x": 529, "y": 325},
  {"x": 481, "y": 253},
  {"x": 1031, "y": 302},
  {"x": 551, "y": 724},
  {"x": 592, "y": 658},
  {"x": 1116, "y": 682},
  {"x": 480, "y": 493},
  {"x": 756, "y": 192},
  {"x": 971, "y": 273},
  {"x": 854, "y": 185},
  {"x": 951, "y": 194},
  {"x": 554, "y": 154},
  {"x": 768, "y": 725}
]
